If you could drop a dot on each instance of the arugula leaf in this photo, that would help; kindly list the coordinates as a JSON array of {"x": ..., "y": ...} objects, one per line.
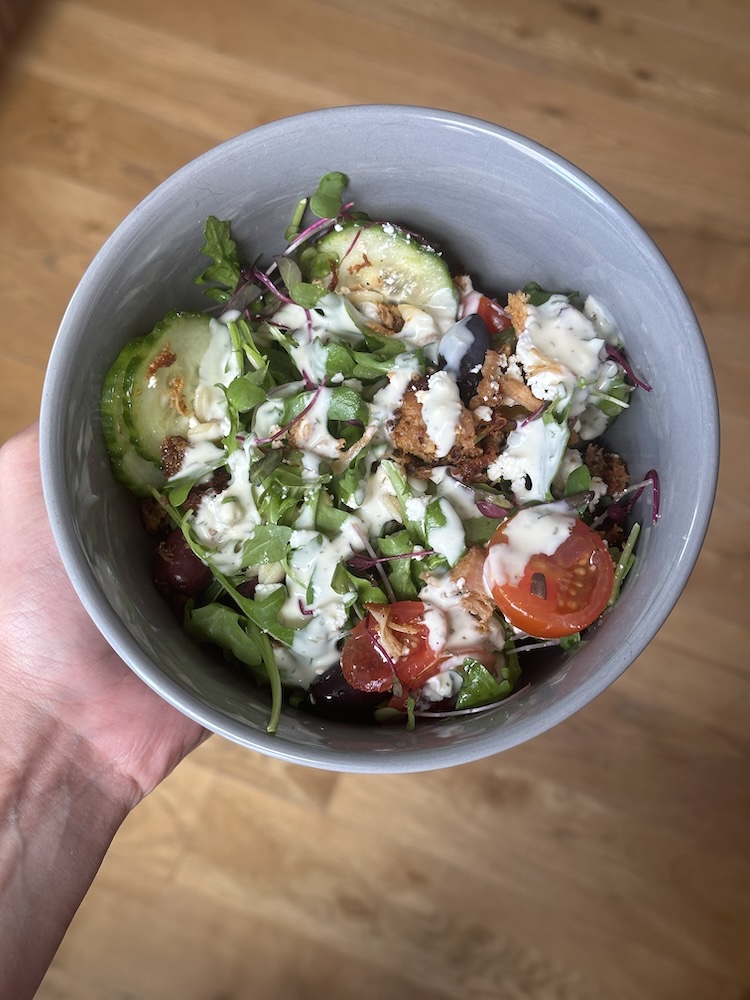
[
  {"x": 538, "y": 296},
  {"x": 326, "y": 202},
  {"x": 479, "y": 530},
  {"x": 579, "y": 481},
  {"x": 220, "y": 625},
  {"x": 267, "y": 544},
  {"x": 225, "y": 270},
  {"x": 404, "y": 494},
  {"x": 479, "y": 686},
  {"x": 399, "y": 570}
]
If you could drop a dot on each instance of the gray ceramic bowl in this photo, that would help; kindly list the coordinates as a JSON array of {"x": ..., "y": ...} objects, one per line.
[{"x": 510, "y": 211}]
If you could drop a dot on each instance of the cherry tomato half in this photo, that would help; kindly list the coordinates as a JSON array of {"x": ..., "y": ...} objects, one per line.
[
  {"x": 495, "y": 317},
  {"x": 558, "y": 594},
  {"x": 392, "y": 642}
]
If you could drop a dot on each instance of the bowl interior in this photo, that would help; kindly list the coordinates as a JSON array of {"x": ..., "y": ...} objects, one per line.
[{"x": 502, "y": 207}]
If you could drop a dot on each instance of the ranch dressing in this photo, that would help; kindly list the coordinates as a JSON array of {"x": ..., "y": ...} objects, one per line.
[{"x": 534, "y": 530}]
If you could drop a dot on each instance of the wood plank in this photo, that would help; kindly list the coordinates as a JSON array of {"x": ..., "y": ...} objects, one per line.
[{"x": 184, "y": 84}]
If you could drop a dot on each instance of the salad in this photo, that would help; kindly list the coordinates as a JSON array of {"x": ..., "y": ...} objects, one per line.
[{"x": 371, "y": 485}]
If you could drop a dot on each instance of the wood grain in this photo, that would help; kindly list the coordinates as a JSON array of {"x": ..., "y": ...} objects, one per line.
[{"x": 608, "y": 858}]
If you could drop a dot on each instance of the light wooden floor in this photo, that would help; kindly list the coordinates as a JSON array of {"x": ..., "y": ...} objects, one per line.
[{"x": 607, "y": 859}]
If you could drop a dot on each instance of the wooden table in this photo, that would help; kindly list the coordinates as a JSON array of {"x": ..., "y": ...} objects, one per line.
[{"x": 609, "y": 858}]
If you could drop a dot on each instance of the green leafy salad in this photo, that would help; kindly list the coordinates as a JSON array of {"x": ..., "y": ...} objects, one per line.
[{"x": 370, "y": 485}]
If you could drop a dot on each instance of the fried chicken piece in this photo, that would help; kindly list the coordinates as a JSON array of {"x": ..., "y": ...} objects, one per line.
[
  {"x": 496, "y": 388},
  {"x": 517, "y": 310},
  {"x": 608, "y": 466},
  {"x": 153, "y": 516},
  {"x": 469, "y": 574},
  {"x": 409, "y": 433},
  {"x": 479, "y": 440},
  {"x": 173, "y": 454},
  {"x": 387, "y": 320}
]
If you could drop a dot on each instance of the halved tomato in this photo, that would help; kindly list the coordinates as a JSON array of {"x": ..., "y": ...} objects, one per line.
[
  {"x": 557, "y": 594},
  {"x": 495, "y": 317},
  {"x": 394, "y": 642}
]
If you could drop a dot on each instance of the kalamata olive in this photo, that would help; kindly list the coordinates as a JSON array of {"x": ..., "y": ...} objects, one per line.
[
  {"x": 178, "y": 570},
  {"x": 333, "y": 698},
  {"x": 463, "y": 348}
]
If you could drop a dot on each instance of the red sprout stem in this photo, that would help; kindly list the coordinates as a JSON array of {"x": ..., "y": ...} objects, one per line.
[
  {"x": 265, "y": 280},
  {"x": 534, "y": 415},
  {"x": 287, "y": 427},
  {"x": 621, "y": 360},
  {"x": 370, "y": 562},
  {"x": 490, "y": 509}
]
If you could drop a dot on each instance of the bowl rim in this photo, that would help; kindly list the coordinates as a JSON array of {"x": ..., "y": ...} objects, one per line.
[{"x": 114, "y": 629}]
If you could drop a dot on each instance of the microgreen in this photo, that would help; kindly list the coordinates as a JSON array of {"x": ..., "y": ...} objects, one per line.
[{"x": 223, "y": 275}]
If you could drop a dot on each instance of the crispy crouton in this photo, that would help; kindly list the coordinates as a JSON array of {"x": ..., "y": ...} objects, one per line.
[
  {"x": 172, "y": 454},
  {"x": 517, "y": 310},
  {"x": 608, "y": 466},
  {"x": 496, "y": 388},
  {"x": 410, "y": 435},
  {"x": 515, "y": 392},
  {"x": 469, "y": 574},
  {"x": 474, "y": 449}
]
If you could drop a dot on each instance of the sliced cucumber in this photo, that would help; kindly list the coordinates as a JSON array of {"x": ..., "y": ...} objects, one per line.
[
  {"x": 384, "y": 262},
  {"x": 135, "y": 472},
  {"x": 161, "y": 380}
]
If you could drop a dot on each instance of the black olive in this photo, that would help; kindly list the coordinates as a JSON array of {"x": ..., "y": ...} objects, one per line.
[
  {"x": 177, "y": 570},
  {"x": 332, "y": 697},
  {"x": 463, "y": 349}
]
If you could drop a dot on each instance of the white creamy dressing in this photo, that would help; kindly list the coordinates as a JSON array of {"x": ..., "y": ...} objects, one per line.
[
  {"x": 311, "y": 329},
  {"x": 461, "y": 497},
  {"x": 441, "y": 411},
  {"x": 466, "y": 637},
  {"x": 209, "y": 421},
  {"x": 533, "y": 530},
  {"x": 311, "y": 432},
  {"x": 560, "y": 353},
  {"x": 531, "y": 458},
  {"x": 448, "y": 540},
  {"x": 454, "y": 347},
  {"x": 224, "y": 521},
  {"x": 314, "y": 607},
  {"x": 378, "y": 505},
  {"x": 388, "y": 398}
]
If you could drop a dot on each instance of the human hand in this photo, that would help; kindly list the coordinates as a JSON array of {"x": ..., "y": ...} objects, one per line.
[{"x": 57, "y": 673}]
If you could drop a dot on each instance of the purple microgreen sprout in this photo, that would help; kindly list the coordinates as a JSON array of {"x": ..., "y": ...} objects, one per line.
[
  {"x": 263, "y": 279},
  {"x": 287, "y": 427},
  {"x": 359, "y": 563},
  {"x": 377, "y": 563},
  {"x": 618, "y": 511},
  {"x": 621, "y": 360},
  {"x": 490, "y": 509},
  {"x": 534, "y": 415}
]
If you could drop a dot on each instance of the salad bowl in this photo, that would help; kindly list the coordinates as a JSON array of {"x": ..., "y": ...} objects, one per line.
[{"x": 508, "y": 211}]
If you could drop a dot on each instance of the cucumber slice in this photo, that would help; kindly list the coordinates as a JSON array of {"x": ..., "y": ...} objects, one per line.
[
  {"x": 135, "y": 472},
  {"x": 380, "y": 261},
  {"x": 161, "y": 380}
]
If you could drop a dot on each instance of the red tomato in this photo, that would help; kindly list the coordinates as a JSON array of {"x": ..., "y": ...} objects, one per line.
[
  {"x": 367, "y": 660},
  {"x": 495, "y": 317},
  {"x": 560, "y": 594}
]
